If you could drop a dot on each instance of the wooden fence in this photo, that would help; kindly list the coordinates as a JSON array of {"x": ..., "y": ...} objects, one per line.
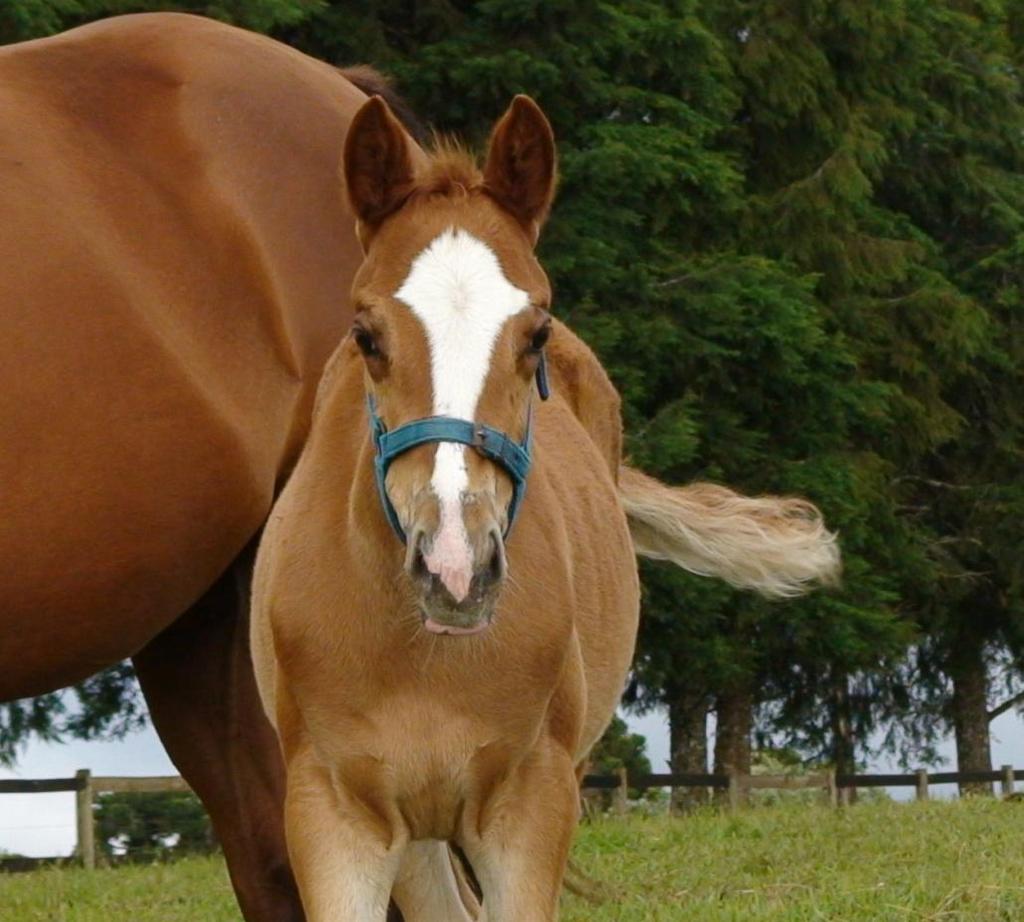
[
  {"x": 832, "y": 786},
  {"x": 87, "y": 786}
]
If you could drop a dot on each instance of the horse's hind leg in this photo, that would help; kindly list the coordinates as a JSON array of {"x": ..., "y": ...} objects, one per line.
[
  {"x": 198, "y": 681},
  {"x": 430, "y": 888}
]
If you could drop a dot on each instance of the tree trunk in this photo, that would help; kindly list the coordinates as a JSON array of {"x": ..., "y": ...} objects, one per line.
[
  {"x": 843, "y": 745},
  {"x": 970, "y": 712},
  {"x": 688, "y": 729},
  {"x": 734, "y": 710}
]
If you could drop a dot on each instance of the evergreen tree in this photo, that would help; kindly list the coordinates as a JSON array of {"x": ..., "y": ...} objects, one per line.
[
  {"x": 966, "y": 192},
  {"x": 108, "y": 705},
  {"x": 883, "y": 153}
]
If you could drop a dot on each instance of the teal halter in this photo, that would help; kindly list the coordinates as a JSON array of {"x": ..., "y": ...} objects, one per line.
[{"x": 513, "y": 456}]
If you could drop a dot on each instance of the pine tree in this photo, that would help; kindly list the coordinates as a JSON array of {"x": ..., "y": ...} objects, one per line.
[
  {"x": 882, "y": 152},
  {"x": 966, "y": 192}
]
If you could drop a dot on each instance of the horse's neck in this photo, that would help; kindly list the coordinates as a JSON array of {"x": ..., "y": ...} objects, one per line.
[{"x": 343, "y": 462}]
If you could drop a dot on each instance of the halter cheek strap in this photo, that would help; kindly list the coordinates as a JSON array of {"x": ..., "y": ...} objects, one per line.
[{"x": 491, "y": 443}]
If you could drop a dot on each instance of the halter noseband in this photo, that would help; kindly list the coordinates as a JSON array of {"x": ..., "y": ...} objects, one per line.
[{"x": 493, "y": 444}]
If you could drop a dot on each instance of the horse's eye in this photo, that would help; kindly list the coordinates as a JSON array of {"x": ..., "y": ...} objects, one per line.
[
  {"x": 540, "y": 338},
  {"x": 365, "y": 341}
]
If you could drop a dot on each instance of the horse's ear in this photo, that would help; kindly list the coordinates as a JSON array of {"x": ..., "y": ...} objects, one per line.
[
  {"x": 377, "y": 166},
  {"x": 520, "y": 170}
]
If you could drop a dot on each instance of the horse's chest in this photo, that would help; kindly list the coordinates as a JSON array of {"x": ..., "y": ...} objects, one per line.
[{"x": 416, "y": 762}]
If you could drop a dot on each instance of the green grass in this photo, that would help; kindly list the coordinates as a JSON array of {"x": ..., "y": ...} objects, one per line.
[
  {"x": 961, "y": 860},
  {"x": 871, "y": 863},
  {"x": 195, "y": 889}
]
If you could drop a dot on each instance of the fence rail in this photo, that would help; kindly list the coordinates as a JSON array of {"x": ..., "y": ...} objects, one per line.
[
  {"x": 835, "y": 787},
  {"x": 643, "y": 782},
  {"x": 86, "y": 786}
]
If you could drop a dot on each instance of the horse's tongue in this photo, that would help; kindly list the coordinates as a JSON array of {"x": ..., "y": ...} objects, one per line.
[{"x": 435, "y": 627}]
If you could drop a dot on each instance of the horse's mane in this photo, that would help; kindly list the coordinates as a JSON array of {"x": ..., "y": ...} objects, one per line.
[
  {"x": 451, "y": 169},
  {"x": 373, "y": 83}
]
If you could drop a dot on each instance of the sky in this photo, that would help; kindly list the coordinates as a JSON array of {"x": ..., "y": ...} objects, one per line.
[{"x": 44, "y": 824}]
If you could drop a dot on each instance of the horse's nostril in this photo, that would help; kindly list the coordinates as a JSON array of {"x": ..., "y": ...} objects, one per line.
[
  {"x": 415, "y": 565},
  {"x": 497, "y": 565}
]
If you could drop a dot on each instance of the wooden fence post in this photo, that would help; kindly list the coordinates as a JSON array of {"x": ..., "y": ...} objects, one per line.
[
  {"x": 620, "y": 797},
  {"x": 1006, "y": 782},
  {"x": 84, "y": 818},
  {"x": 735, "y": 791},
  {"x": 834, "y": 796},
  {"x": 922, "y": 784}
]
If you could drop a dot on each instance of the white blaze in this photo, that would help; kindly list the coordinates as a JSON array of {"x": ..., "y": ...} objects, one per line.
[{"x": 458, "y": 291}]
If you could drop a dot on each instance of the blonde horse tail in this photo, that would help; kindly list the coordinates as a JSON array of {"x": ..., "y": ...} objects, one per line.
[
  {"x": 776, "y": 545},
  {"x": 581, "y": 884},
  {"x": 467, "y": 892}
]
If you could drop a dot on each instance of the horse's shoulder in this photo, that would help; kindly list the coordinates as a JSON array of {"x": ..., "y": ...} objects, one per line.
[{"x": 579, "y": 377}]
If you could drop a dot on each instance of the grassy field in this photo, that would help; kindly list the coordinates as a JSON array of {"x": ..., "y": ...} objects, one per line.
[{"x": 871, "y": 863}]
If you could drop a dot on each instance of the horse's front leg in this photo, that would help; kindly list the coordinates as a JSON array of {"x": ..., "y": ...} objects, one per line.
[
  {"x": 344, "y": 857},
  {"x": 525, "y": 831}
]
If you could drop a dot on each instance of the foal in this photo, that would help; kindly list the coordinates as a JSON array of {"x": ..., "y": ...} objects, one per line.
[
  {"x": 437, "y": 656},
  {"x": 436, "y": 675}
]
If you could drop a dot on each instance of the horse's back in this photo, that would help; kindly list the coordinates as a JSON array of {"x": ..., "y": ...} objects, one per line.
[{"x": 174, "y": 270}]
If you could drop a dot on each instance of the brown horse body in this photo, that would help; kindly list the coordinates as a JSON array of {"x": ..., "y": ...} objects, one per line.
[
  {"x": 176, "y": 260},
  {"x": 172, "y": 266}
]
